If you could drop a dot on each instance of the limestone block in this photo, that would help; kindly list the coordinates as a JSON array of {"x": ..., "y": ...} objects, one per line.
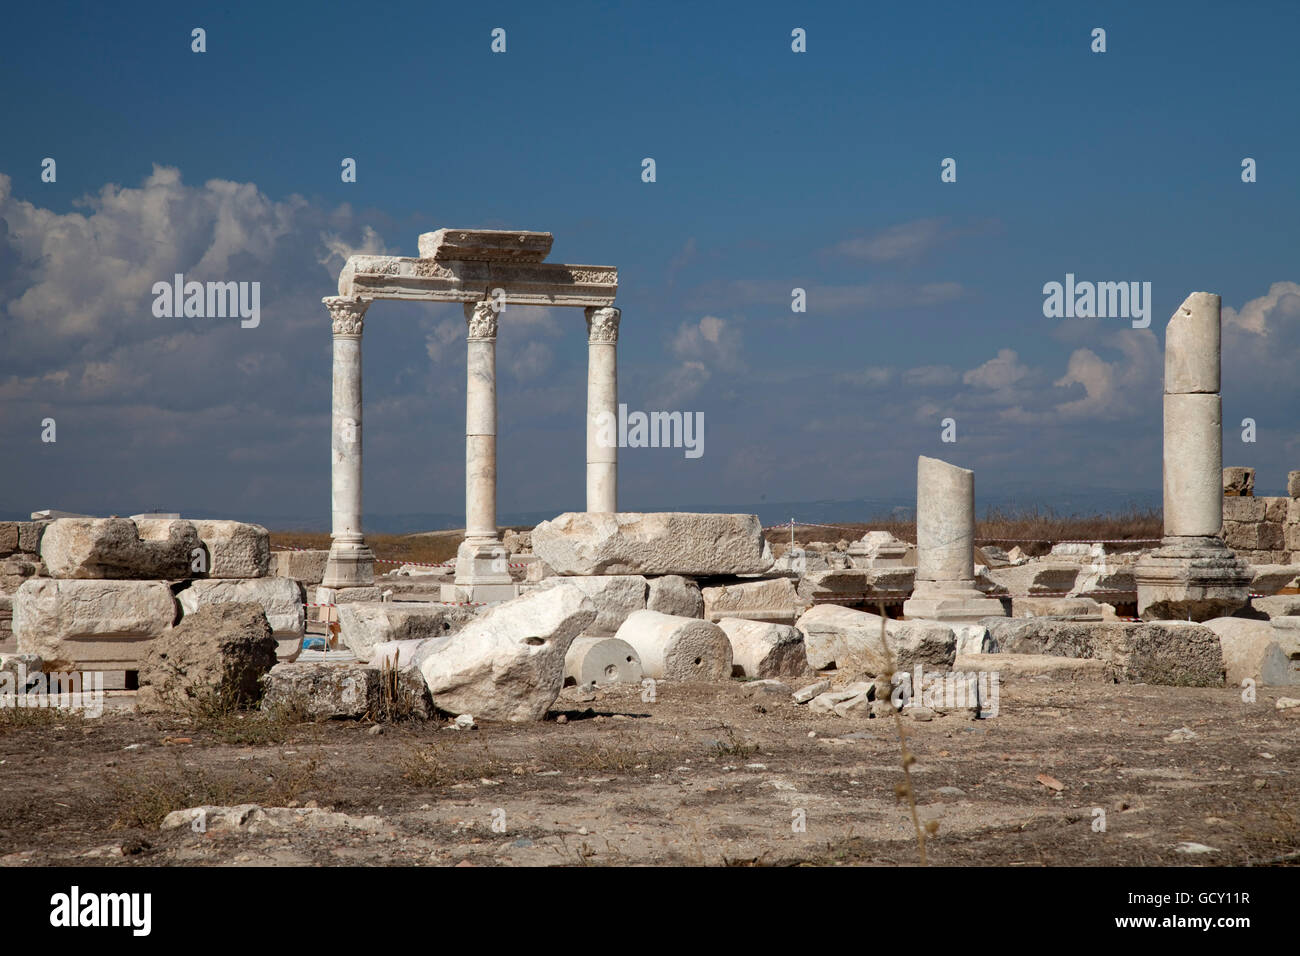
[
  {"x": 1238, "y": 482},
  {"x": 1291, "y": 537},
  {"x": 91, "y": 624},
  {"x": 116, "y": 548},
  {"x": 1293, "y": 511},
  {"x": 30, "y": 534},
  {"x": 614, "y": 596},
  {"x": 770, "y": 599},
  {"x": 678, "y": 648},
  {"x": 1275, "y": 509},
  {"x": 1192, "y": 345},
  {"x": 1242, "y": 536},
  {"x": 220, "y": 654},
  {"x": 20, "y": 567},
  {"x": 280, "y": 598},
  {"x": 1252, "y": 649},
  {"x": 850, "y": 639},
  {"x": 676, "y": 595},
  {"x": 509, "y": 664},
  {"x": 1037, "y": 667},
  {"x": 1280, "y": 605},
  {"x": 1244, "y": 509},
  {"x": 235, "y": 549},
  {"x": 579, "y": 543},
  {"x": 349, "y": 690},
  {"x": 364, "y": 624},
  {"x": 1076, "y": 608},
  {"x": 305, "y": 566},
  {"x": 764, "y": 650},
  {"x": 1293, "y": 484},
  {"x": 1161, "y": 652},
  {"x": 8, "y": 538},
  {"x": 601, "y": 660}
]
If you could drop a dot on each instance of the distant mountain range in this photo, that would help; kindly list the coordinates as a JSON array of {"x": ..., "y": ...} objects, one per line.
[{"x": 1083, "y": 502}]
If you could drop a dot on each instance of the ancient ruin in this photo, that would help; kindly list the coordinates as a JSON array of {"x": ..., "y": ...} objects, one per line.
[
  {"x": 1193, "y": 575},
  {"x": 487, "y": 270}
]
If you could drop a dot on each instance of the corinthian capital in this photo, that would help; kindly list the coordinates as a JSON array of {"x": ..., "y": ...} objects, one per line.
[
  {"x": 602, "y": 324},
  {"x": 347, "y": 313},
  {"x": 482, "y": 319}
]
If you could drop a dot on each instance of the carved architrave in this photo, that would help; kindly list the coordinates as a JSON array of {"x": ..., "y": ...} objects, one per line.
[
  {"x": 482, "y": 319},
  {"x": 347, "y": 313},
  {"x": 602, "y": 324}
]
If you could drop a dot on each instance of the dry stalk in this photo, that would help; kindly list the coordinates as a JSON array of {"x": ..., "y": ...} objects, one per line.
[{"x": 904, "y": 789}]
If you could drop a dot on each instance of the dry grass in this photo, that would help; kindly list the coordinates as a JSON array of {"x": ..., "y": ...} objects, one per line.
[
  {"x": 1042, "y": 526},
  {"x": 145, "y": 799}
]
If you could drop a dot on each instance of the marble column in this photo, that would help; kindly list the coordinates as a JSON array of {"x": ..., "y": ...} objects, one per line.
[
  {"x": 1192, "y": 574},
  {"x": 602, "y": 409},
  {"x": 350, "y": 563},
  {"x": 481, "y": 558},
  {"x": 945, "y": 547}
]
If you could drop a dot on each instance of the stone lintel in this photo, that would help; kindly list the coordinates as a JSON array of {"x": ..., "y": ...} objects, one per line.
[
  {"x": 514, "y": 245},
  {"x": 524, "y": 283}
]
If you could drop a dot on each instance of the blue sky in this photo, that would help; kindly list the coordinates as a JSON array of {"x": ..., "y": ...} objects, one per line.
[{"x": 774, "y": 170}]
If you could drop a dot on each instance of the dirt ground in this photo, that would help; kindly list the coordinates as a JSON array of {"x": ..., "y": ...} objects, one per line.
[{"x": 703, "y": 775}]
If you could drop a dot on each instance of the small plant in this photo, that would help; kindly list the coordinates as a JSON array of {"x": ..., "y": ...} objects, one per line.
[{"x": 733, "y": 746}]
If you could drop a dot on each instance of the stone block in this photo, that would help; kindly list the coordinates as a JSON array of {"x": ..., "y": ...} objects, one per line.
[
  {"x": 235, "y": 549},
  {"x": 508, "y": 664},
  {"x": 764, "y": 650},
  {"x": 364, "y": 624},
  {"x": 1238, "y": 482},
  {"x": 115, "y": 548},
  {"x": 218, "y": 655},
  {"x": 581, "y": 543},
  {"x": 8, "y": 538},
  {"x": 305, "y": 566},
  {"x": 614, "y": 596},
  {"x": 91, "y": 624},
  {"x": 1258, "y": 651},
  {"x": 1293, "y": 484},
  {"x": 1160, "y": 652},
  {"x": 850, "y": 639},
  {"x": 1244, "y": 509},
  {"x": 344, "y": 690},
  {"x": 771, "y": 599},
  {"x": 676, "y": 595},
  {"x": 280, "y": 598}
]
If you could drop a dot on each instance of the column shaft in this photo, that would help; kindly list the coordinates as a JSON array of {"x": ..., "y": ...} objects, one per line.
[{"x": 602, "y": 409}]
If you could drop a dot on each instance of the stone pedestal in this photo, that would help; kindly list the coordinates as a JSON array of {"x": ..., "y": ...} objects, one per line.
[
  {"x": 945, "y": 540},
  {"x": 602, "y": 409},
  {"x": 1192, "y": 575},
  {"x": 350, "y": 563}
]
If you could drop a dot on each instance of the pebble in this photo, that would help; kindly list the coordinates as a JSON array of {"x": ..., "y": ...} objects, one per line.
[
  {"x": 376, "y": 730},
  {"x": 1286, "y": 703},
  {"x": 921, "y": 713},
  {"x": 1181, "y": 735}
]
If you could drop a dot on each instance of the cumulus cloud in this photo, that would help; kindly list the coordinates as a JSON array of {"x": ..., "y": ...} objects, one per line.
[
  {"x": 1002, "y": 371},
  {"x": 1259, "y": 316}
]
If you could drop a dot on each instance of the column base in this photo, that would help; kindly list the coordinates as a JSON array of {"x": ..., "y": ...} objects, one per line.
[
  {"x": 1191, "y": 579},
  {"x": 351, "y": 564},
  {"x": 958, "y": 602},
  {"x": 481, "y": 561}
]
